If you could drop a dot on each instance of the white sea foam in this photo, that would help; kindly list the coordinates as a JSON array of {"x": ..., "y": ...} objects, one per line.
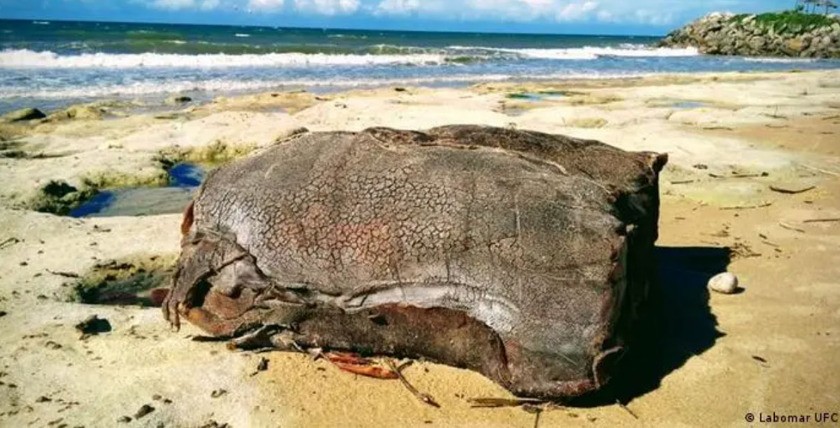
[
  {"x": 24, "y": 58},
  {"x": 30, "y": 59},
  {"x": 589, "y": 52},
  {"x": 780, "y": 60},
  {"x": 346, "y": 36},
  {"x": 150, "y": 88},
  {"x": 242, "y": 35}
]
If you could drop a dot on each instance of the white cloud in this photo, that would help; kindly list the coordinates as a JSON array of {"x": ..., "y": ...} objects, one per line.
[
  {"x": 648, "y": 12},
  {"x": 316, "y": 7},
  {"x": 173, "y": 4},
  {"x": 397, "y": 7},
  {"x": 185, "y": 4},
  {"x": 605, "y": 15},
  {"x": 209, "y": 4},
  {"x": 577, "y": 11},
  {"x": 327, "y": 7},
  {"x": 656, "y": 12},
  {"x": 646, "y": 16},
  {"x": 265, "y": 5},
  {"x": 506, "y": 10}
]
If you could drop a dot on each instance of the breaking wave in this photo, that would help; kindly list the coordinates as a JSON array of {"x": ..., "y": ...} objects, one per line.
[
  {"x": 46, "y": 59},
  {"x": 371, "y": 55},
  {"x": 780, "y": 60},
  {"x": 589, "y": 52}
]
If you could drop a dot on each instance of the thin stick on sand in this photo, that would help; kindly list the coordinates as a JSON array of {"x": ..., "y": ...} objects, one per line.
[
  {"x": 824, "y": 171},
  {"x": 537, "y": 412},
  {"x": 788, "y": 191},
  {"x": 821, "y": 220},
  {"x": 739, "y": 175},
  {"x": 503, "y": 402},
  {"x": 9, "y": 242},
  {"x": 422, "y": 396},
  {"x": 627, "y": 409},
  {"x": 784, "y": 225},
  {"x": 747, "y": 207}
]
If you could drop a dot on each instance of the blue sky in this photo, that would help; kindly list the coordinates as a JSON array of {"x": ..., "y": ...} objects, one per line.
[{"x": 642, "y": 17}]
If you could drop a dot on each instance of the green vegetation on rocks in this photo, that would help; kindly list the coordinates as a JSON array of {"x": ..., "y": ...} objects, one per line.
[
  {"x": 127, "y": 281},
  {"x": 59, "y": 197},
  {"x": 790, "y": 20},
  {"x": 11, "y": 150},
  {"x": 586, "y": 122},
  {"x": 114, "y": 180},
  {"x": 212, "y": 154},
  {"x": 789, "y": 33}
]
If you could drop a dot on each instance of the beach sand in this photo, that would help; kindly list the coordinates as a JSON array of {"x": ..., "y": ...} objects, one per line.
[{"x": 730, "y": 137}]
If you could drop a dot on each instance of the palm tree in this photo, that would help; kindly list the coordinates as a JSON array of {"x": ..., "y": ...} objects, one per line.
[{"x": 811, "y": 6}]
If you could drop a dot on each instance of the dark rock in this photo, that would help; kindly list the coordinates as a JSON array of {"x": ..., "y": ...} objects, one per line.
[
  {"x": 124, "y": 419},
  {"x": 144, "y": 410},
  {"x": 24, "y": 114},
  {"x": 213, "y": 424},
  {"x": 93, "y": 325},
  {"x": 262, "y": 366},
  {"x": 178, "y": 99}
]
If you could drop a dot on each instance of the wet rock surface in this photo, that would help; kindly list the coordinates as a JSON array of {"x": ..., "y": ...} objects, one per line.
[{"x": 23, "y": 115}]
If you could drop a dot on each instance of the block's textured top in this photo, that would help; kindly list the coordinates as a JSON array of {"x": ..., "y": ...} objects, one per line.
[{"x": 522, "y": 255}]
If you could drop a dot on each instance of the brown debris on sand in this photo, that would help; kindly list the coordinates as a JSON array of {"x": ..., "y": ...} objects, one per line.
[{"x": 555, "y": 234}]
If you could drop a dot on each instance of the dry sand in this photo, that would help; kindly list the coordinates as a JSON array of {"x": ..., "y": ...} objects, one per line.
[{"x": 772, "y": 348}]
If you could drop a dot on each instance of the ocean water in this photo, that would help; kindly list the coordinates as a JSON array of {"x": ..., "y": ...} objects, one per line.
[{"x": 51, "y": 64}]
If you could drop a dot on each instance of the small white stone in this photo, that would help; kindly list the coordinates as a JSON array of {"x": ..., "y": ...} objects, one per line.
[{"x": 726, "y": 283}]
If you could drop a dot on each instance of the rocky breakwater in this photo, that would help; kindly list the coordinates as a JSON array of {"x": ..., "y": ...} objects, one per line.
[{"x": 791, "y": 34}]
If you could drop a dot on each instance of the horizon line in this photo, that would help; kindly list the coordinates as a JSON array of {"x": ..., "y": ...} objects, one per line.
[{"x": 326, "y": 28}]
